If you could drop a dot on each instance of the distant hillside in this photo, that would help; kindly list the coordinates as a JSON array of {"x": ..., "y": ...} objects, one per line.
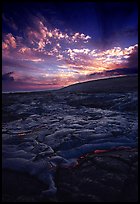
[{"x": 116, "y": 84}]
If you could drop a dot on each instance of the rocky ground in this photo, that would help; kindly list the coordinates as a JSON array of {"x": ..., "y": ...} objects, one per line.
[
  {"x": 87, "y": 144},
  {"x": 103, "y": 177}
]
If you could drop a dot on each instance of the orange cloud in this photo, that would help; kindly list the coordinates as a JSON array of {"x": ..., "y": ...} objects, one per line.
[
  {"x": 42, "y": 41},
  {"x": 53, "y": 50},
  {"x": 43, "y": 36},
  {"x": 88, "y": 61},
  {"x": 4, "y": 46},
  {"x": 24, "y": 49},
  {"x": 9, "y": 42}
]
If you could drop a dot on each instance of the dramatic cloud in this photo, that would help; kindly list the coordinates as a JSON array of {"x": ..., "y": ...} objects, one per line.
[
  {"x": 42, "y": 36},
  {"x": 40, "y": 42},
  {"x": 9, "y": 42},
  {"x": 81, "y": 61},
  {"x": 89, "y": 61},
  {"x": 49, "y": 48},
  {"x": 133, "y": 57}
]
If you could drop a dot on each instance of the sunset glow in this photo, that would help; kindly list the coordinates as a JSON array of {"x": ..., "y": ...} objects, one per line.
[{"x": 48, "y": 51}]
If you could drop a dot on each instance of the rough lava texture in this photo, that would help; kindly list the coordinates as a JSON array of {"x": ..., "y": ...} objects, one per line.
[{"x": 62, "y": 146}]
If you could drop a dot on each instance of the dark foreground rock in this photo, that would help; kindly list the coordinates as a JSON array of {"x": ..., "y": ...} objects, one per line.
[
  {"x": 102, "y": 177},
  {"x": 43, "y": 132}
]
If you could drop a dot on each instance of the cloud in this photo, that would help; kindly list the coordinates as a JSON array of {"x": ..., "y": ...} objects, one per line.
[
  {"x": 8, "y": 76},
  {"x": 122, "y": 71},
  {"x": 133, "y": 57},
  {"x": 24, "y": 50},
  {"x": 117, "y": 71},
  {"x": 4, "y": 46},
  {"x": 27, "y": 82},
  {"x": 77, "y": 36},
  {"x": 83, "y": 51},
  {"x": 9, "y": 42},
  {"x": 100, "y": 63},
  {"x": 40, "y": 43},
  {"x": 41, "y": 35},
  {"x": 65, "y": 57},
  {"x": 41, "y": 40},
  {"x": 16, "y": 64}
]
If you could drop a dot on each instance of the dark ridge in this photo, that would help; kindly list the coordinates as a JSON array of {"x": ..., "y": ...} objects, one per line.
[{"x": 115, "y": 84}]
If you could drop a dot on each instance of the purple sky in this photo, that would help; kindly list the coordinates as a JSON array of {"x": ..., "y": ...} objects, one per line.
[{"x": 51, "y": 45}]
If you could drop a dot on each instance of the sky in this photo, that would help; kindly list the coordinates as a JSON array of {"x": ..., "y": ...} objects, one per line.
[{"x": 51, "y": 45}]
